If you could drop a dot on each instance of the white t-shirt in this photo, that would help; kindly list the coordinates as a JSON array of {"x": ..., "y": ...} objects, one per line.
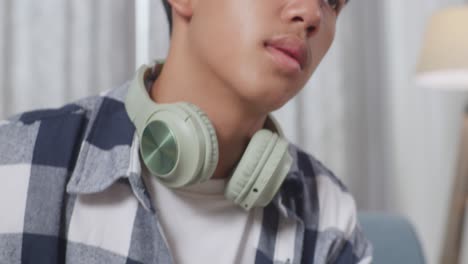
[{"x": 201, "y": 226}]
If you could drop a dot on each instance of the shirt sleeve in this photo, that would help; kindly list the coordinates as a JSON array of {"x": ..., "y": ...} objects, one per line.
[
  {"x": 357, "y": 249},
  {"x": 340, "y": 238}
]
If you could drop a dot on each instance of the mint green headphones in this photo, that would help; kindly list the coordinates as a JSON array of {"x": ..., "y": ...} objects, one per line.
[{"x": 178, "y": 145}]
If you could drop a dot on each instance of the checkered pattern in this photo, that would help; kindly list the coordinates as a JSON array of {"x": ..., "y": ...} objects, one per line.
[{"x": 71, "y": 192}]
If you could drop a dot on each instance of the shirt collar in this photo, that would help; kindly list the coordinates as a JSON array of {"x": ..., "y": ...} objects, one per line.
[{"x": 109, "y": 152}]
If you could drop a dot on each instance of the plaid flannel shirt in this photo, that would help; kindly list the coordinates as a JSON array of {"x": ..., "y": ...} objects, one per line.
[{"x": 71, "y": 191}]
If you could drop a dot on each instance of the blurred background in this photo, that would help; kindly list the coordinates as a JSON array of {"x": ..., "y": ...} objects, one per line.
[{"x": 394, "y": 144}]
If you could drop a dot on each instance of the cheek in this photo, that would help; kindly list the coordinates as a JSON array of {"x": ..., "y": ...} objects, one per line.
[
  {"x": 230, "y": 41},
  {"x": 321, "y": 46},
  {"x": 221, "y": 32}
]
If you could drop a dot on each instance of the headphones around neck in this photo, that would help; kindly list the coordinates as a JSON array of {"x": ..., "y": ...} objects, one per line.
[{"x": 178, "y": 145}]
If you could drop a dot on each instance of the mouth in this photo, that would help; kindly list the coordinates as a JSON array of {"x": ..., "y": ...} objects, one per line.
[{"x": 289, "y": 51}]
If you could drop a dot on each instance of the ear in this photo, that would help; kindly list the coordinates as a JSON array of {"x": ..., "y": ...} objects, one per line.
[{"x": 182, "y": 7}]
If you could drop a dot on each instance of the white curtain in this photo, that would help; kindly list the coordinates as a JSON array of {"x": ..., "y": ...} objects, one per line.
[
  {"x": 393, "y": 143},
  {"x": 54, "y": 51}
]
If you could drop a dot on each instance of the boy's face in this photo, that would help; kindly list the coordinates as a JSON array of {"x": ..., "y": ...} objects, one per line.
[{"x": 266, "y": 50}]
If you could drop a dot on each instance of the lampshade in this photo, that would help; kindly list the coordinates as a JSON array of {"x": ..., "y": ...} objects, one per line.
[{"x": 444, "y": 56}]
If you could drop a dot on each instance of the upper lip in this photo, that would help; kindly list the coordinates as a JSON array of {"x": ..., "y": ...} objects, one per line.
[{"x": 292, "y": 46}]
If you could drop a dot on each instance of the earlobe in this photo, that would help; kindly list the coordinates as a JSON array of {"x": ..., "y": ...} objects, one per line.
[{"x": 182, "y": 7}]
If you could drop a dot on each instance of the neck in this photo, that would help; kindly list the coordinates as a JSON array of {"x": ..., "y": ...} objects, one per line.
[{"x": 235, "y": 121}]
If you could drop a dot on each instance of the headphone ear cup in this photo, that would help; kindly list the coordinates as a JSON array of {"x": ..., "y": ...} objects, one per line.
[
  {"x": 247, "y": 165},
  {"x": 178, "y": 143},
  {"x": 260, "y": 172},
  {"x": 212, "y": 149}
]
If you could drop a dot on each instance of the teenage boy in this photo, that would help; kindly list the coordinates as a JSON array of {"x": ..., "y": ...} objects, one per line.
[{"x": 184, "y": 164}]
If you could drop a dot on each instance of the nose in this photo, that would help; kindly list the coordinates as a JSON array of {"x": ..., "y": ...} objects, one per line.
[{"x": 306, "y": 14}]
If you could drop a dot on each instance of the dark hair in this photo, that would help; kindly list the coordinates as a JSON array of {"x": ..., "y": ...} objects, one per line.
[{"x": 167, "y": 8}]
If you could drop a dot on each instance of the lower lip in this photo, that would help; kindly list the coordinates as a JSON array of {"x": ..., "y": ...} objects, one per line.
[{"x": 285, "y": 62}]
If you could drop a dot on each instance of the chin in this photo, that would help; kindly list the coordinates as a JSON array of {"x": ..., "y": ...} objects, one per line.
[
  {"x": 266, "y": 90},
  {"x": 272, "y": 100},
  {"x": 279, "y": 103},
  {"x": 279, "y": 96}
]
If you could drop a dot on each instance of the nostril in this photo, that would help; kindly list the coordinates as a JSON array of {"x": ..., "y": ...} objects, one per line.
[
  {"x": 311, "y": 29},
  {"x": 297, "y": 19}
]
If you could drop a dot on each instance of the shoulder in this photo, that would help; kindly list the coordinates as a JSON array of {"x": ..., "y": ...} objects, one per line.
[
  {"x": 314, "y": 174},
  {"x": 48, "y": 136},
  {"x": 21, "y": 135},
  {"x": 326, "y": 200},
  {"x": 329, "y": 211}
]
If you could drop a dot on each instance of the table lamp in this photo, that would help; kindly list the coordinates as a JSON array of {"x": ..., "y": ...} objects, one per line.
[{"x": 443, "y": 64}]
